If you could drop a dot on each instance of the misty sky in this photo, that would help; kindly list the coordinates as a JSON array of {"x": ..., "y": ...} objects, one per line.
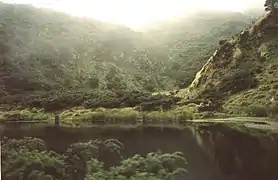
[{"x": 135, "y": 13}]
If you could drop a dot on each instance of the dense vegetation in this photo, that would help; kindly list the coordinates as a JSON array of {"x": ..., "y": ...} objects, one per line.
[
  {"x": 241, "y": 76},
  {"x": 93, "y": 72},
  {"x": 29, "y": 159},
  {"x": 53, "y": 60},
  {"x": 191, "y": 41}
]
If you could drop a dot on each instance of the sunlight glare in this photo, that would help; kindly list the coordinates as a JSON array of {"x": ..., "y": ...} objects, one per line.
[{"x": 135, "y": 13}]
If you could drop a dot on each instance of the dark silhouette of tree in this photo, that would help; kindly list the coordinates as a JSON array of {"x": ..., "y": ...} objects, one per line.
[{"x": 270, "y": 5}]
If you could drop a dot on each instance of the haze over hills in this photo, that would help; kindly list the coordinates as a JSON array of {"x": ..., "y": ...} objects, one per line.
[
  {"x": 191, "y": 41},
  {"x": 75, "y": 47},
  {"x": 130, "y": 12},
  {"x": 45, "y": 51}
]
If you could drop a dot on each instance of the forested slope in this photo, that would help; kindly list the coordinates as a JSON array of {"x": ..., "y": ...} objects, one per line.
[{"x": 51, "y": 57}]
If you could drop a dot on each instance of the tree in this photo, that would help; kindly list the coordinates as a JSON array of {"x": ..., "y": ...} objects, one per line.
[
  {"x": 271, "y": 4},
  {"x": 28, "y": 158},
  {"x": 80, "y": 153}
]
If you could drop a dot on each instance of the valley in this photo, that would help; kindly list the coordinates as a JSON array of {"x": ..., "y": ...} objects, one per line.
[{"x": 190, "y": 98}]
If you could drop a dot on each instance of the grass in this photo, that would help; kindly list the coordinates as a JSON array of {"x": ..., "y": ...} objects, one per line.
[
  {"x": 252, "y": 105},
  {"x": 82, "y": 116},
  {"x": 92, "y": 116},
  {"x": 32, "y": 114}
]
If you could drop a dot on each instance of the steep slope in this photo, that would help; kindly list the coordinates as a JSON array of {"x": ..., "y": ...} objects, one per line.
[
  {"x": 191, "y": 40},
  {"x": 243, "y": 71}
]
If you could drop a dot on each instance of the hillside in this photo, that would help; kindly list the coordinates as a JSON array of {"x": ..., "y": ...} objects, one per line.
[
  {"x": 241, "y": 76},
  {"x": 190, "y": 41},
  {"x": 49, "y": 58},
  {"x": 56, "y": 50}
]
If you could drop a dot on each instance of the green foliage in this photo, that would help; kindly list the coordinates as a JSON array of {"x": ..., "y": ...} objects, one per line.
[
  {"x": 93, "y": 82},
  {"x": 273, "y": 111},
  {"x": 80, "y": 155},
  {"x": 42, "y": 71},
  {"x": 154, "y": 166},
  {"x": 27, "y": 143},
  {"x": 92, "y": 149},
  {"x": 241, "y": 72},
  {"x": 26, "y": 115},
  {"x": 174, "y": 115},
  {"x": 29, "y": 159},
  {"x": 238, "y": 80},
  {"x": 102, "y": 55},
  {"x": 111, "y": 66},
  {"x": 58, "y": 100},
  {"x": 158, "y": 102},
  {"x": 257, "y": 111},
  {"x": 190, "y": 48},
  {"x": 83, "y": 117}
]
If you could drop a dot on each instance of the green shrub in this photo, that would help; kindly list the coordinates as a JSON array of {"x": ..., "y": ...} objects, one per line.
[
  {"x": 208, "y": 114},
  {"x": 237, "y": 81},
  {"x": 93, "y": 82},
  {"x": 273, "y": 111},
  {"x": 124, "y": 116},
  {"x": 29, "y": 159},
  {"x": 27, "y": 115},
  {"x": 155, "y": 165},
  {"x": 257, "y": 111},
  {"x": 262, "y": 110},
  {"x": 64, "y": 99},
  {"x": 100, "y": 115},
  {"x": 158, "y": 102}
]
